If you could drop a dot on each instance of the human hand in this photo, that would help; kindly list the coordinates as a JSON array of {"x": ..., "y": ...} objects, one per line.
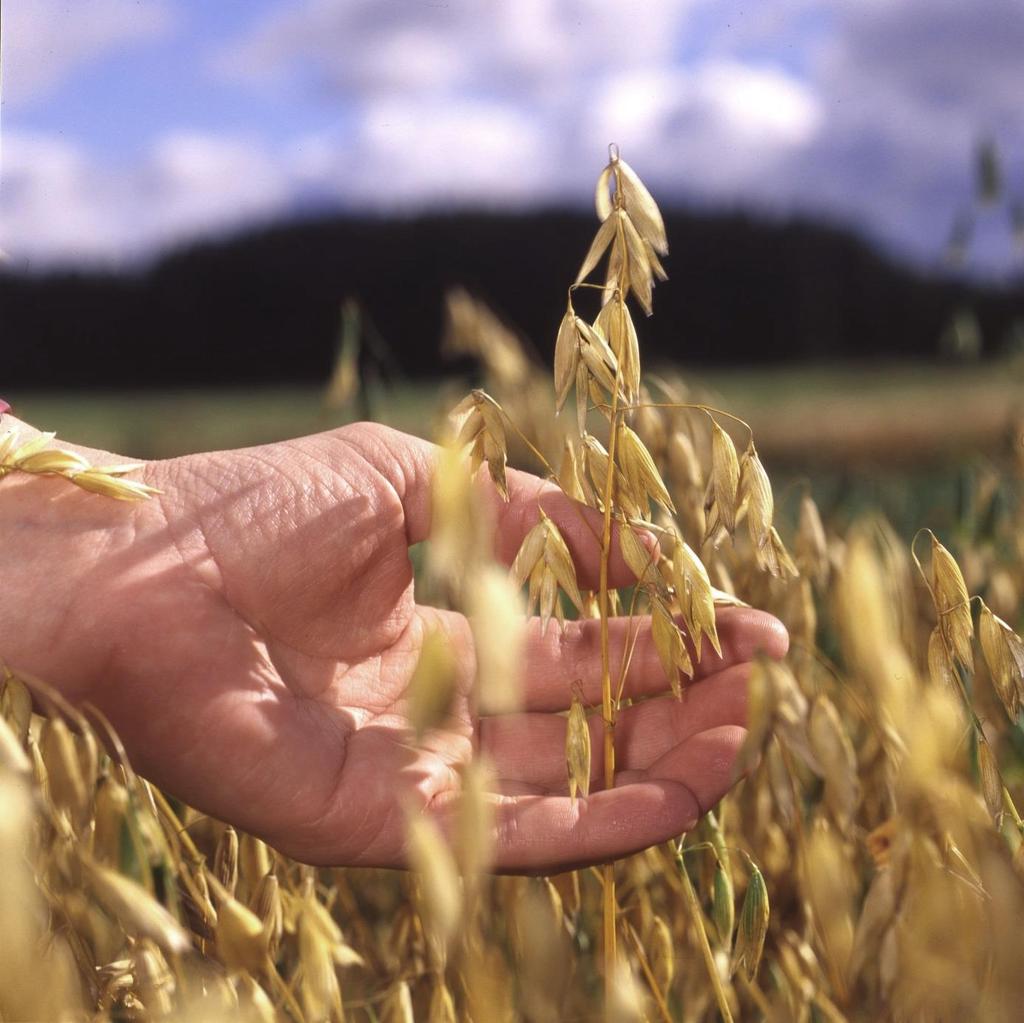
[{"x": 252, "y": 633}]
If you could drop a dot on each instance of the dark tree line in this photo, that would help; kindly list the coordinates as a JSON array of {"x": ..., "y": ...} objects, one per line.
[{"x": 264, "y": 306}]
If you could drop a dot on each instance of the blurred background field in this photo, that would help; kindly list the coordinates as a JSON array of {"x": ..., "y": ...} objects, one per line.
[
  {"x": 894, "y": 415},
  {"x": 902, "y": 438}
]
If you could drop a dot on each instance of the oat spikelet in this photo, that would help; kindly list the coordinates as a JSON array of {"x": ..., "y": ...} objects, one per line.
[
  {"x": 567, "y": 357},
  {"x": 811, "y": 545},
  {"x": 642, "y": 208},
  {"x": 136, "y": 909},
  {"x": 111, "y": 809},
  {"x": 498, "y": 621},
  {"x": 266, "y": 904},
  {"x": 723, "y": 907},
  {"x": 626, "y": 1004},
  {"x": 639, "y": 271},
  {"x": 1003, "y": 651},
  {"x": 66, "y": 783},
  {"x": 225, "y": 859},
  {"x": 16, "y": 705},
  {"x": 952, "y": 603},
  {"x": 598, "y": 247},
  {"x": 475, "y": 847},
  {"x": 36, "y": 458},
  {"x": 876, "y": 915},
  {"x": 545, "y": 561},
  {"x": 432, "y": 686},
  {"x": 435, "y": 867},
  {"x": 753, "y": 928},
  {"x": 723, "y": 487},
  {"x": 834, "y": 752},
  {"x": 694, "y": 594},
  {"x": 320, "y": 990},
  {"x": 991, "y": 781},
  {"x": 442, "y": 1006},
  {"x": 668, "y": 642},
  {"x": 397, "y": 1007},
  {"x": 637, "y": 465},
  {"x": 775, "y": 559},
  {"x": 239, "y": 933},
  {"x": 761, "y": 705},
  {"x": 459, "y": 536},
  {"x": 661, "y": 953},
  {"x": 616, "y": 324},
  {"x": 479, "y": 419},
  {"x": 639, "y": 558},
  {"x": 940, "y": 665},
  {"x": 577, "y": 749},
  {"x": 755, "y": 496}
]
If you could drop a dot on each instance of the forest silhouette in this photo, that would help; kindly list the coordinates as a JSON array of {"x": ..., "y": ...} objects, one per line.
[{"x": 263, "y": 306}]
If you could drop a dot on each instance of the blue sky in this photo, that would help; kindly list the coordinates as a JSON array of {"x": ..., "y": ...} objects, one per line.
[{"x": 128, "y": 126}]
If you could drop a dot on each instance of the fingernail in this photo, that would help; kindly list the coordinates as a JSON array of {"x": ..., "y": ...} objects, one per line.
[{"x": 4, "y": 406}]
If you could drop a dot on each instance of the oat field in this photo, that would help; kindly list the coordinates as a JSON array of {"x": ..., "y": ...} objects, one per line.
[{"x": 869, "y": 865}]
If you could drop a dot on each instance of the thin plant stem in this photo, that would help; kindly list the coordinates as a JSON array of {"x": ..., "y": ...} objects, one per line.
[
  {"x": 755, "y": 994},
  {"x": 607, "y": 700},
  {"x": 709, "y": 410},
  {"x": 836, "y": 978},
  {"x": 284, "y": 992},
  {"x": 697, "y": 915},
  {"x": 652, "y": 981}
]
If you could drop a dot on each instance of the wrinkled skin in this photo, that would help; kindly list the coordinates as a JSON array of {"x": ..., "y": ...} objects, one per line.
[{"x": 251, "y": 634}]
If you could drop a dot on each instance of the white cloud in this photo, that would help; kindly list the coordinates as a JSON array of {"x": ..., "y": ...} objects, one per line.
[
  {"x": 46, "y": 41},
  {"x": 720, "y": 128},
  {"x": 867, "y": 111},
  {"x": 529, "y": 48},
  {"x": 763, "y": 105},
  {"x": 58, "y": 202},
  {"x": 413, "y": 150},
  {"x": 909, "y": 89}
]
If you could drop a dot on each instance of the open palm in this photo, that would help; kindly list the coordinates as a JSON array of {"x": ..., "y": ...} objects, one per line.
[{"x": 261, "y": 631}]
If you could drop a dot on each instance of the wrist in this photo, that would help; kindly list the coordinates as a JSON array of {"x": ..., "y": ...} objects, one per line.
[{"x": 60, "y": 550}]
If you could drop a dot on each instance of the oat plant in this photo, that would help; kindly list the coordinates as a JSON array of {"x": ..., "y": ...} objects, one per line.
[{"x": 607, "y": 466}]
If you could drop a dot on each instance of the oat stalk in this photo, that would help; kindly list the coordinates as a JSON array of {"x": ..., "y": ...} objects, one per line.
[{"x": 697, "y": 916}]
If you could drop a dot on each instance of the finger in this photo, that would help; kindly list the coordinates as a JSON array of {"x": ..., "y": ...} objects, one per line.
[
  {"x": 558, "y": 657},
  {"x": 529, "y": 749},
  {"x": 409, "y": 463},
  {"x": 549, "y": 834},
  {"x": 705, "y": 763},
  {"x": 545, "y": 834}
]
